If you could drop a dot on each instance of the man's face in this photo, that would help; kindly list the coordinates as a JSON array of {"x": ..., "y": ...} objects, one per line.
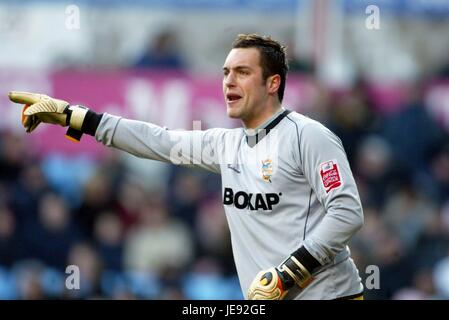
[{"x": 244, "y": 89}]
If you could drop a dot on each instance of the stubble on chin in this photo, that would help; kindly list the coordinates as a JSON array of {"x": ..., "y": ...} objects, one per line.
[{"x": 232, "y": 114}]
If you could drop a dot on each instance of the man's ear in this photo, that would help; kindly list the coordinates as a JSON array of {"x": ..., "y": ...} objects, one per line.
[{"x": 273, "y": 83}]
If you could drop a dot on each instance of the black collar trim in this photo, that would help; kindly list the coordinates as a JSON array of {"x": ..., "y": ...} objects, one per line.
[{"x": 253, "y": 140}]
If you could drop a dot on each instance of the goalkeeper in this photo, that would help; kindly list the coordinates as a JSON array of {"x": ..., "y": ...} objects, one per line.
[{"x": 289, "y": 195}]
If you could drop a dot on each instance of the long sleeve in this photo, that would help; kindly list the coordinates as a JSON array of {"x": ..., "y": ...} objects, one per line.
[
  {"x": 326, "y": 167},
  {"x": 145, "y": 140}
]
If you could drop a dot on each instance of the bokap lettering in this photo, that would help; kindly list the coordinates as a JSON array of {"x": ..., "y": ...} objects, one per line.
[{"x": 251, "y": 201}]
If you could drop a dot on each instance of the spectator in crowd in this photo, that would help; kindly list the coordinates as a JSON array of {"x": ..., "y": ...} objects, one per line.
[
  {"x": 439, "y": 174},
  {"x": 109, "y": 240},
  {"x": 186, "y": 195},
  {"x": 29, "y": 284},
  {"x": 25, "y": 194},
  {"x": 407, "y": 213},
  {"x": 90, "y": 266},
  {"x": 162, "y": 53},
  {"x": 50, "y": 239},
  {"x": 130, "y": 198},
  {"x": 97, "y": 198},
  {"x": 351, "y": 118},
  {"x": 441, "y": 277},
  {"x": 158, "y": 241},
  {"x": 423, "y": 288},
  {"x": 213, "y": 235},
  {"x": 13, "y": 156},
  {"x": 412, "y": 133},
  {"x": 8, "y": 238},
  {"x": 373, "y": 161}
]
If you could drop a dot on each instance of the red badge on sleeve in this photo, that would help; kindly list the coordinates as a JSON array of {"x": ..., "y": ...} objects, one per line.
[{"x": 330, "y": 175}]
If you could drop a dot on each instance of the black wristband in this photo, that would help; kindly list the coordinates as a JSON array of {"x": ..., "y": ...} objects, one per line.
[
  {"x": 91, "y": 122},
  {"x": 298, "y": 268},
  {"x": 306, "y": 259},
  {"x": 68, "y": 112}
]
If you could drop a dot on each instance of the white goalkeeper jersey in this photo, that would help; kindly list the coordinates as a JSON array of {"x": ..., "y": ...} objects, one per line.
[{"x": 286, "y": 186}]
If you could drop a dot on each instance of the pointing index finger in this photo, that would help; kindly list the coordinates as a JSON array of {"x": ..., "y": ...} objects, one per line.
[{"x": 23, "y": 97}]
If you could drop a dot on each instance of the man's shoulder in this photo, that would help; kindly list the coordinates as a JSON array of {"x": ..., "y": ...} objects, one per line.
[
  {"x": 301, "y": 121},
  {"x": 309, "y": 130}
]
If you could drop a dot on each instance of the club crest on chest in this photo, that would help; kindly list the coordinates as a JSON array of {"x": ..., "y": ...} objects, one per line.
[{"x": 267, "y": 170}]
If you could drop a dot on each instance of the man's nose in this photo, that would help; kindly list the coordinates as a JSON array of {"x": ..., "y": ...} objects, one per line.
[{"x": 230, "y": 80}]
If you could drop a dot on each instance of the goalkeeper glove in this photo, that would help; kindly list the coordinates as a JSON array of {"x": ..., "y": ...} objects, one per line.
[
  {"x": 42, "y": 108},
  {"x": 275, "y": 282},
  {"x": 268, "y": 285}
]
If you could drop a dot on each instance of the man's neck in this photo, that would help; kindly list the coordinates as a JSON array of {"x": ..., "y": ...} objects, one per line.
[{"x": 255, "y": 123}]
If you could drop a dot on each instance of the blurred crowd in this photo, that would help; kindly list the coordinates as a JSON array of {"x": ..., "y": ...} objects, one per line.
[
  {"x": 126, "y": 240},
  {"x": 401, "y": 164},
  {"x": 169, "y": 240}
]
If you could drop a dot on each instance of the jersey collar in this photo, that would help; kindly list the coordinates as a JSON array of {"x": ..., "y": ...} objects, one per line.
[{"x": 253, "y": 136}]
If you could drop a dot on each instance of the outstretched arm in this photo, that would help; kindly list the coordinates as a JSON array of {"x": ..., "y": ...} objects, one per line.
[
  {"x": 190, "y": 148},
  {"x": 195, "y": 148}
]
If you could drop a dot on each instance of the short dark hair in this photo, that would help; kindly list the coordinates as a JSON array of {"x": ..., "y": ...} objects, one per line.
[{"x": 272, "y": 56}]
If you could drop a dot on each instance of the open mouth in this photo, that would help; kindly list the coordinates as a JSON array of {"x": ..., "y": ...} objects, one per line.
[{"x": 232, "y": 97}]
